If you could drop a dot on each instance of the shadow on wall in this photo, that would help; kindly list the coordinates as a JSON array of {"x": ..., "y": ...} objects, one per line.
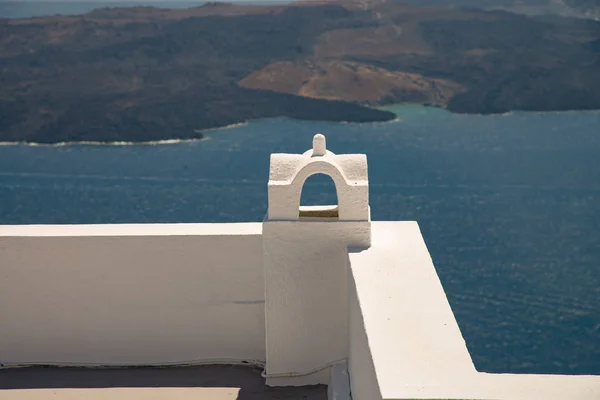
[{"x": 247, "y": 378}]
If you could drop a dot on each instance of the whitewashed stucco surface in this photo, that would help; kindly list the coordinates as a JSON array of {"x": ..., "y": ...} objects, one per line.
[
  {"x": 363, "y": 378},
  {"x": 306, "y": 263},
  {"x": 402, "y": 321},
  {"x": 288, "y": 173},
  {"x": 412, "y": 335},
  {"x": 131, "y": 294},
  {"x": 160, "y": 294},
  {"x": 306, "y": 269}
]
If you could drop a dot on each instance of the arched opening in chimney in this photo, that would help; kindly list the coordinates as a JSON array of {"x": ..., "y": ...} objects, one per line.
[{"x": 319, "y": 189}]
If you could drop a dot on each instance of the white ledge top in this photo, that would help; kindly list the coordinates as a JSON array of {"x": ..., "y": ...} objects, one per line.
[
  {"x": 417, "y": 348},
  {"x": 245, "y": 228},
  {"x": 411, "y": 328}
]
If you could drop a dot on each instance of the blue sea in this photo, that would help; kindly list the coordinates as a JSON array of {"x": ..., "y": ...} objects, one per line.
[
  {"x": 29, "y": 8},
  {"x": 509, "y": 206}
]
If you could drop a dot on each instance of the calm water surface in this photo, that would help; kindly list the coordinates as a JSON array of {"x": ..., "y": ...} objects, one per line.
[
  {"x": 509, "y": 207},
  {"x": 29, "y": 9}
]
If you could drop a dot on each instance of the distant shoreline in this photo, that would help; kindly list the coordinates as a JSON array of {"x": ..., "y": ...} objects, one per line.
[
  {"x": 220, "y": 128},
  {"x": 389, "y": 107},
  {"x": 99, "y": 143}
]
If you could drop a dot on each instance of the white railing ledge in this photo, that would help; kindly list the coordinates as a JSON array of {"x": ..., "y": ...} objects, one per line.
[
  {"x": 409, "y": 332},
  {"x": 413, "y": 336},
  {"x": 483, "y": 386},
  {"x": 531, "y": 387},
  {"x": 245, "y": 228}
]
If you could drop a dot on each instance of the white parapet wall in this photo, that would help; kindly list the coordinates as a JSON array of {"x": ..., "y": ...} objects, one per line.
[
  {"x": 411, "y": 334},
  {"x": 131, "y": 294},
  {"x": 405, "y": 342},
  {"x": 164, "y": 294}
]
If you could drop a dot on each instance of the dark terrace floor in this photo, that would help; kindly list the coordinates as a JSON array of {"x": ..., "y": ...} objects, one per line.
[{"x": 214, "y": 382}]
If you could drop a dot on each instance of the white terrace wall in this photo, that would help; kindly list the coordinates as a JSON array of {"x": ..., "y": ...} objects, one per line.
[
  {"x": 131, "y": 294},
  {"x": 405, "y": 342}
]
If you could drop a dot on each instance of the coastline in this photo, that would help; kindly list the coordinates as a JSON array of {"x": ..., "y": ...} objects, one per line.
[
  {"x": 97, "y": 143},
  {"x": 202, "y": 132},
  {"x": 224, "y": 127},
  {"x": 395, "y": 108}
]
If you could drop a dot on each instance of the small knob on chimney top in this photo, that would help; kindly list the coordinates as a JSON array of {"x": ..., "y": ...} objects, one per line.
[{"x": 319, "y": 145}]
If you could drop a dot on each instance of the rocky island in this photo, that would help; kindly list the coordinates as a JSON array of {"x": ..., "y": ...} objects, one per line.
[{"x": 144, "y": 73}]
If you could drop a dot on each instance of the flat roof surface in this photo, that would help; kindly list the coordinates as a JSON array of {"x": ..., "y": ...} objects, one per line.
[{"x": 214, "y": 382}]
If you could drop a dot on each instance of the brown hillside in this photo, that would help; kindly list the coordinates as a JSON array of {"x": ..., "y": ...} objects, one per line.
[
  {"x": 146, "y": 73},
  {"x": 351, "y": 81}
]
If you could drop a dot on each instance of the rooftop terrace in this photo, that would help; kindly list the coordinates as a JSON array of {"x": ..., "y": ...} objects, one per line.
[
  {"x": 211, "y": 382},
  {"x": 322, "y": 300}
]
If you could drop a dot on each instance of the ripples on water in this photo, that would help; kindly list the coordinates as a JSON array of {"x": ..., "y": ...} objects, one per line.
[{"x": 509, "y": 207}]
